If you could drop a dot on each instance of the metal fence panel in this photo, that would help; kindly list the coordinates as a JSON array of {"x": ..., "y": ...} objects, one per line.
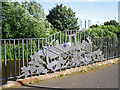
[{"x": 17, "y": 52}]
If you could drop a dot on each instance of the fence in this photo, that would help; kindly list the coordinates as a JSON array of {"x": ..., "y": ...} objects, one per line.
[{"x": 16, "y": 53}]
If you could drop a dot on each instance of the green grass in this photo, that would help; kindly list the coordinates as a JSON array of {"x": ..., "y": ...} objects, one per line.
[
  {"x": 83, "y": 70},
  {"x": 39, "y": 80},
  {"x": 60, "y": 76},
  {"x": 27, "y": 83},
  {"x": 32, "y": 82},
  {"x": 92, "y": 68}
]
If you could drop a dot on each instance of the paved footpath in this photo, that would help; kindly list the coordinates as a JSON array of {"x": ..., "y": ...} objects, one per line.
[{"x": 104, "y": 77}]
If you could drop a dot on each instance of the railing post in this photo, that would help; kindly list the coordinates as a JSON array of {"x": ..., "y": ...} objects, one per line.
[
  {"x": 107, "y": 49},
  {"x": 5, "y": 61},
  {"x": 84, "y": 35},
  {"x": 65, "y": 36},
  {"x": 31, "y": 48},
  {"x": 80, "y": 37},
  {"x": 10, "y": 58},
  {"x": 27, "y": 50},
  {"x": 54, "y": 39},
  {"x": 19, "y": 55},
  {"x": 0, "y": 44},
  {"x": 0, "y": 65},
  {"x": 34, "y": 46},
  {"x": 112, "y": 49},
  {"x": 23, "y": 50},
  {"x": 14, "y": 62},
  {"x": 60, "y": 37},
  {"x": 38, "y": 44}
]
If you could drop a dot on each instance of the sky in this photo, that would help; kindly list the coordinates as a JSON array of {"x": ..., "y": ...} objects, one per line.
[
  {"x": 98, "y": 11},
  {"x": 95, "y": 11}
]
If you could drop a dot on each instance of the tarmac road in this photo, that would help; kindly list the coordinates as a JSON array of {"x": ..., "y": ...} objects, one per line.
[{"x": 104, "y": 77}]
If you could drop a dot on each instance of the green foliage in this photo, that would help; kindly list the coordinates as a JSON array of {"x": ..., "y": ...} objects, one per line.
[
  {"x": 111, "y": 22},
  {"x": 83, "y": 70},
  {"x": 26, "y": 20},
  {"x": 109, "y": 29},
  {"x": 118, "y": 33},
  {"x": 62, "y": 18},
  {"x": 101, "y": 35},
  {"x": 32, "y": 82},
  {"x": 94, "y": 26},
  {"x": 39, "y": 80},
  {"x": 102, "y": 31},
  {"x": 61, "y": 75},
  {"x": 10, "y": 49}
]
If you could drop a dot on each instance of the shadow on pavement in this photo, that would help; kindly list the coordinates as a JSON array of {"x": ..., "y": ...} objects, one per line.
[
  {"x": 51, "y": 88},
  {"x": 44, "y": 88}
]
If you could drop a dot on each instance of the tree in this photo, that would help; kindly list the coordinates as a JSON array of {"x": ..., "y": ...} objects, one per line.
[
  {"x": 94, "y": 26},
  {"x": 26, "y": 20},
  {"x": 62, "y": 18},
  {"x": 34, "y": 9},
  {"x": 111, "y": 22}
]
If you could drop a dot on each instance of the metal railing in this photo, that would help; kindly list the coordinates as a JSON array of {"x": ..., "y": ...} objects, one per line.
[{"x": 15, "y": 53}]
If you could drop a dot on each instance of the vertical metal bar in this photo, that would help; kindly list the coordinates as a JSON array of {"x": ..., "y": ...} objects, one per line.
[
  {"x": 27, "y": 50},
  {"x": 31, "y": 47},
  {"x": 107, "y": 49},
  {"x": 117, "y": 49},
  {"x": 80, "y": 36},
  {"x": 96, "y": 43},
  {"x": 0, "y": 63},
  {"x": 119, "y": 46},
  {"x": 51, "y": 39},
  {"x": 48, "y": 40},
  {"x": 112, "y": 48},
  {"x": 57, "y": 36},
  {"x": 84, "y": 35},
  {"x": 70, "y": 31},
  {"x": 23, "y": 50},
  {"x": 75, "y": 39},
  {"x": 45, "y": 41},
  {"x": 103, "y": 46},
  {"x": 19, "y": 55},
  {"x": 34, "y": 46},
  {"x": 76, "y": 34},
  {"x": 42, "y": 43},
  {"x": 5, "y": 61},
  {"x": 93, "y": 44},
  {"x": 14, "y": 62},
  {"x": 10, "y": 58},
  {"x": 54, "y": 43},
  {"x": 54, "y": 39},
  {"x": 65, "y": 36},
  {"x": 38, "y": 44},
  {"x": 0, "y": 44},
  {"x": 60, "y": 37}
]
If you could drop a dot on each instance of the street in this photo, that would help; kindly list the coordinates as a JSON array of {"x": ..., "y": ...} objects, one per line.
[{"x": 103, "y": 77}]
